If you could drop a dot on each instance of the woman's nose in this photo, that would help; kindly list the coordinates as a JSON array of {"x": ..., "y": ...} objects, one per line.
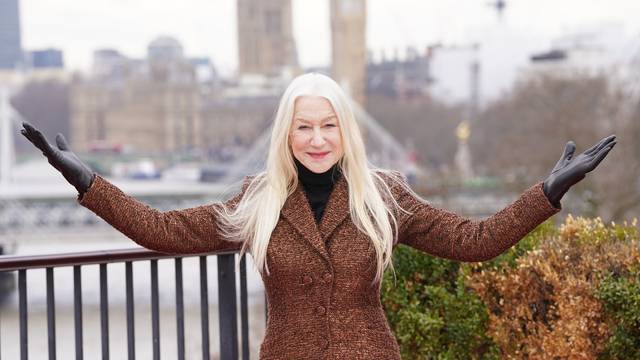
[{"x": 318, "y": 138}]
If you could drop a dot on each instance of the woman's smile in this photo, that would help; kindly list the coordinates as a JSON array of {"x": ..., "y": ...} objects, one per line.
[{"x": 319, "y": 155}]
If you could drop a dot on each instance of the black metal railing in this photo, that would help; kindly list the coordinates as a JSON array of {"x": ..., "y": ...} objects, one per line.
[{"x": 227, "y": 308}]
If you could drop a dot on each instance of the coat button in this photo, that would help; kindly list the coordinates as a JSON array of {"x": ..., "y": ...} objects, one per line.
[
  {"x": 306, "y": 280},
  {"x": 321, "y": 310},
  {"x": 327, "y": 277},
  {"x": 324, "y": 343}
]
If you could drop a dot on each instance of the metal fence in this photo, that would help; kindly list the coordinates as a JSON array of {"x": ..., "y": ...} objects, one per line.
[{"x": 228, "y": 330}]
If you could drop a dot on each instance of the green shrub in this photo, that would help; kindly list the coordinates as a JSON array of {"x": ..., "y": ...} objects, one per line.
[
  {"x": 431, "y": 312},
  {"x": 620, "y": 295},
  {"x": 561, "y": 292}
]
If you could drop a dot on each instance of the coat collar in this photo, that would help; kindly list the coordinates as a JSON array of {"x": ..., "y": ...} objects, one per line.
[{"x": 297, "y": 211}]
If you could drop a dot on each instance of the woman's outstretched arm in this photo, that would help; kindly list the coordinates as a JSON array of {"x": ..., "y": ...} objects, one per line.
[
  {"x": 444, "y": 234},
  {"x": 183, "y": 231},
  {"x": 447, "y": 235},
  {"x": 178, "y": 231}
]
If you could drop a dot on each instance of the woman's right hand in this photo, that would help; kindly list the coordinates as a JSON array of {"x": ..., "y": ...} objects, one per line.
[{"x": 62, "y": 158}]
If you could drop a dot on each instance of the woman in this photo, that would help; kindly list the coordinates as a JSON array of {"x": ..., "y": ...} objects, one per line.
[{"x": 321, "y": 224}]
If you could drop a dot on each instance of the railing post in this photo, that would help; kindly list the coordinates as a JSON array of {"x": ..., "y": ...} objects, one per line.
[
  {"x": 131, "y": 339},
  {"x": 22, "y": 299},
  {"x": 77, "y": 310},
  {"x": 244, "y": 311},
  {"x": 155, "y": 317},
  {"x": 204, "y": 307},
  {"x": 179, "y": 308},
  {"x": 51, "y": 315},
  {"x": 227, "y": 307},
  {"x": 104, "y": 312}
]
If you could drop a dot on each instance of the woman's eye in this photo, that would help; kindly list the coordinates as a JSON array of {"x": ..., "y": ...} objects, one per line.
[
  {"x": 330, "y": 125},
  {"x": 303, "y": 127}
]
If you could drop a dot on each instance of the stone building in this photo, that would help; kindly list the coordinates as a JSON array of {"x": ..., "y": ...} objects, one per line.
[
  {"x": 265, "y": 38},
  {"x": 349, "y": 46},
  {"x": 147, "y": 106},
  {"x": 409, "y": 77},
  {"x": 11, "y": 56}
]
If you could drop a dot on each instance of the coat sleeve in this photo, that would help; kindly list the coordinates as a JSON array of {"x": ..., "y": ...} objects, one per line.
[
  {"x": 183, "y": 231},
  {"x": 444, "y": 234}
]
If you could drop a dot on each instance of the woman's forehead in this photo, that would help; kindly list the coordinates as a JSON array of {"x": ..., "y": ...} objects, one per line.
[{"x": 313, "y": 107}]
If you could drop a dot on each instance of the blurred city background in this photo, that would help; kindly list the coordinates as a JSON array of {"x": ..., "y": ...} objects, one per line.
[{"x": 173, "y": 102}]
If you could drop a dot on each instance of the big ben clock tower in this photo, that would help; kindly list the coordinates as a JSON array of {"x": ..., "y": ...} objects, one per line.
[{"x": 349, "y": 46}]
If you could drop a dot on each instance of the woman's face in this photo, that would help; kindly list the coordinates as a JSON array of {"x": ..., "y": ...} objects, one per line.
[{"x": 315, "y": 136}]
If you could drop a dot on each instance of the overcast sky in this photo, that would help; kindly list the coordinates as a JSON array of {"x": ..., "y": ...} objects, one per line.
[{"x": 208, "y": 28}]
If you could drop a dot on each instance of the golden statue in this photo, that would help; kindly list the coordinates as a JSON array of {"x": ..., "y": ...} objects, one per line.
[{"x": 463, "y": 131}]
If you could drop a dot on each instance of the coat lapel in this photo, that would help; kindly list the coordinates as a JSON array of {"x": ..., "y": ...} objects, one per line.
[
  {"x": 297, "y": 211},
  {"x": 337, "y": 208}
]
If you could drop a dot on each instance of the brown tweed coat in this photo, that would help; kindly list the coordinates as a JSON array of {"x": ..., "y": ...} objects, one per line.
[{"x": 321, "y": 304}]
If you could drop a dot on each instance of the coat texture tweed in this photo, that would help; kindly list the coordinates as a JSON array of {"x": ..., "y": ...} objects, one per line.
[{"x": 320, "y": 299}]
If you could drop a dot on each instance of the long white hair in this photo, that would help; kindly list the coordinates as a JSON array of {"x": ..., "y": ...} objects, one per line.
[{"x": 255, "y": 216}]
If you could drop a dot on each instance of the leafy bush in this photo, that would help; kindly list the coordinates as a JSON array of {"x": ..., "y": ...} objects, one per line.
[
  {"x": 567, "y": 292},
  {"x": 547, "y": 304},
  {"x": 620, "y": 295},
  {"x": 431, "y": 312}
]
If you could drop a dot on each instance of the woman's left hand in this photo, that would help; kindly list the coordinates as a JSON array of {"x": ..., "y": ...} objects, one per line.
[{"x": 569, "y": 170}]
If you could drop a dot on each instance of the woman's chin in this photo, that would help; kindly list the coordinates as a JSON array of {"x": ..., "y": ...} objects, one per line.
[{"x": 319, "y": 166}]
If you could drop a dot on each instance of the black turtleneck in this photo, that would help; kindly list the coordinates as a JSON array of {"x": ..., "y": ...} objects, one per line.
[{"x": 317, "y": 186}]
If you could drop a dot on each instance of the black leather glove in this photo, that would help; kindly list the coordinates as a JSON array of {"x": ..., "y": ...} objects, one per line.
[
  {"x": 62, "y": 158},
  {"x": 569, "y": 170}
]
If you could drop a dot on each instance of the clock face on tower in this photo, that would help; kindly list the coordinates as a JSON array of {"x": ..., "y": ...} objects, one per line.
[{"x": 351, "y": 7}]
